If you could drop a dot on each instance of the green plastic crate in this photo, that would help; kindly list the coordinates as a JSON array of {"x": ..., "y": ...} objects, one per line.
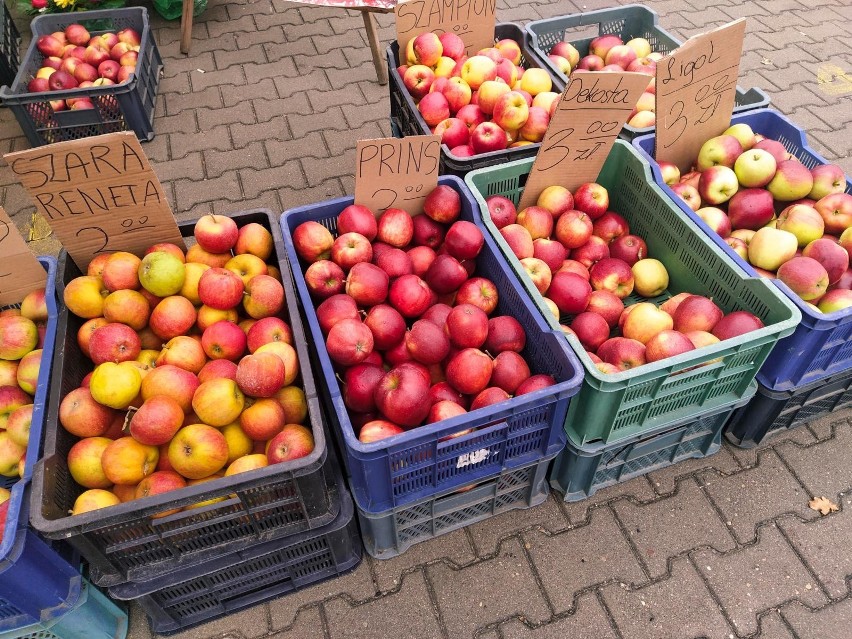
[{"x": 613, "y": 407}]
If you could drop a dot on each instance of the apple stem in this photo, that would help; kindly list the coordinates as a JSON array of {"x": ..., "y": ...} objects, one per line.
[{"x": 127, "y": 418}]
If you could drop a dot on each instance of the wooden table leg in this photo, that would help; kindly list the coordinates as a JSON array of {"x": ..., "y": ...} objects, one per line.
[
  {"x": 186, "y": 25},
  {"x": 373, "y": 38}
]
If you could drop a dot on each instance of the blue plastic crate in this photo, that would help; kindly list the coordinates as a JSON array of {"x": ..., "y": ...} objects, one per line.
[
  {"x": 580, "y": 471},
  {"x": 391, "y": 533},
  {"x": 33, "y": 576},
  {"x": 417, "y": 464},
  {"x": 92, "y": 616},
  {"x": 770, "y": 411},
  {"x": 821, "y": 345}
]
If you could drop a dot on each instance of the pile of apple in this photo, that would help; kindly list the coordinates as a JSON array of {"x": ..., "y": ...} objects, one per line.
[
  {"x": 75, "y": 59},
  {"x": 477, "y": 104},
  {"x": 21, "y": 340},
  {"x": 582, "y": 258},
  {"x": 407, "y": 323},
  {"x": 786, "y": 220},
  {"x": 611, "y": 53},
  {"x": 194, "y": 370}
]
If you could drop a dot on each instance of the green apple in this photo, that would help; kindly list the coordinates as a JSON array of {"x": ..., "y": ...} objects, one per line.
[
  {"x": 115, "y": 385},
  {"x": 755, "y": 168},
  {"x": 162, "y": 274},
  {"x": 769, "y": 248}
]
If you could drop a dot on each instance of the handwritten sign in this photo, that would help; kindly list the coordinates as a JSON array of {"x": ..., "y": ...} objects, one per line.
[
  {"x": 696, "y": 88},
  {"x": 20, "y": 271},
  {"x": 471, "y": 20},
  {"x": 98, "y": 194},
  {"x": 589, "y": 116},
  {"x": 396, "y": 173}
]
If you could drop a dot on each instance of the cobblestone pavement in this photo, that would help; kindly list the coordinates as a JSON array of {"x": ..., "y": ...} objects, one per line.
[{"x": 266, "y": 112}]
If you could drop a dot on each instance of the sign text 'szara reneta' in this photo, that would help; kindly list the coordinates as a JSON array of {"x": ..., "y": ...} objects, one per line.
[
  {"x": 589, "y": 116},
  {"x": 394, "y": 173},
  {"x": 98, "y": 194}
]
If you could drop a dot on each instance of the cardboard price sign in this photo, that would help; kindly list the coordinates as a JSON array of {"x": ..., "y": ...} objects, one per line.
[
  {"x": 589, "y": 116},
  {"x": 20, "y": 271},
  {"x": 471, "y": 20},
  {"x": 98, "y": 194},
  {"x": 393, "y": 173},
  {"x": 696, "y": 88}
]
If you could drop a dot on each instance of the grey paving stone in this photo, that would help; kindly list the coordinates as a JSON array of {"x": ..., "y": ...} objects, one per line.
[
  {"x": 590, "y": 620},
  {"x": 757, "y": 494},
  {"x": 466, "y": 602},
  {"x": 665, "y": 480},
  {"x": 832, "y": 622},
  {"x": 825, "y": 468},
  {"x": 486, "y": 534},
  {"x": 638, "y": 489},
  {"x": 772, "y": 626},
  {"x": 407, "y": 613},
  {"x": 680, "y": 607},
  {"x": 453, "y": 547},
  {"x": 583, "y": 557},
  {"x": 355, "y": 586},
  {"x": 308, "y": 625},
  {"x": 758, "y": 577},
  {"x": 824, "y": 545},
  {"x": 671, "y": 526}
]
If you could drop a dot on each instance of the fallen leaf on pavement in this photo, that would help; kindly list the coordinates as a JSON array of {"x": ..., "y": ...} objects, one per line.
[{"x": 823, "y": 505}]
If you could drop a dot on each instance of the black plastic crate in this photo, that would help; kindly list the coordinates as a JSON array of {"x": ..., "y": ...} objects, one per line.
[
  {"x": 126, "y": 542},
  {"x": 10, "y": 46},
  {"x": 771, "y": 411},
  {"x": 406, "y": 119},
  {"x": 128, "y": 106},
  {"x": 191, "y": 596},
  {"x": 390, "y": 533},
  {"x": 580, "y": 471}
]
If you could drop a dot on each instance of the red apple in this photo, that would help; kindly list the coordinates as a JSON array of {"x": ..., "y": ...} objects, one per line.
[
  {"x": 218, "y": 368},
  {"x": 570, "y": 293},
  {"x": 349, "y": 342},
  {"x": 359, "y": 386},
  {"x": 357, "y": 219},
  {"x": 469, "y": 371},
  {"x": 220, "y": 288},
  {"x": 421, "y": 259},
  {"x": 629, "y": 248},
  {"x": 502, "y": 210},
  {"x": 467, "y": 326},
  {"x": 487, "y": 138},
  {"x": 427, "y": 232},
  {"x": 443, "y": 204},
  {"x": 610, "y": 226},
  {"x": 573, "y": 229},
  {"x": 402, "y": 396},
  {"x": 378, "y": 429},
  {"x": 367, "y": 284},
  {"x": 614, "y": 275},
  {"x": 535, "y": 383},
  {"x": 735, "y": 324},
  {"x": 606, "y": 304},
  {"x": 519, "y": 240},
  {"x": 334, "y": 309},
  {"x": 224, "y": 340},
  {"x": 592, "y": 199},
  {"x": 114, "y": 342},
  {"x": 505, "y": 333},
  {"x": 623, "y": 353},
  {"x": 386, "y": 325},
  {"x": 324, "y": 278},
  {"x": 591, "y": 329},
  {"x": 696, "y": 313},
  {"x": 480, "y": 292},
  {"x": 427, "y": 343},
  {"x": 463, "y": 240},
  {"x": 410, "y": 295},
  {"x": 395, "y": 227},
  {"x": 312, "y": 241},
  {"x": 594, "y": 250},
  {"x": 668, "y": 343}
]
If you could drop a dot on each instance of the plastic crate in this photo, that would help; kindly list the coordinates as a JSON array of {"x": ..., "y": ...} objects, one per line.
[
  {"x": 628, "y": 22},
  {"x": 580, "y": 471},
  {"x": 10, "y": 45},
  {"x": 771, "y": 412},
  {"x": 33, "y": 575},
  {"x": 391, "y": 533},
  {"x": 677, "y": 389},
  {"x": 128, "y": 106},
  {"x": 417, "y": 464},
  {"x": 91, "y": 616},
  {"x": 822, "y": 343},
  {"x": 407, "y": 119},
  {"x": 191, "y": 596},
  {"x": 126, "y": 542}
]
